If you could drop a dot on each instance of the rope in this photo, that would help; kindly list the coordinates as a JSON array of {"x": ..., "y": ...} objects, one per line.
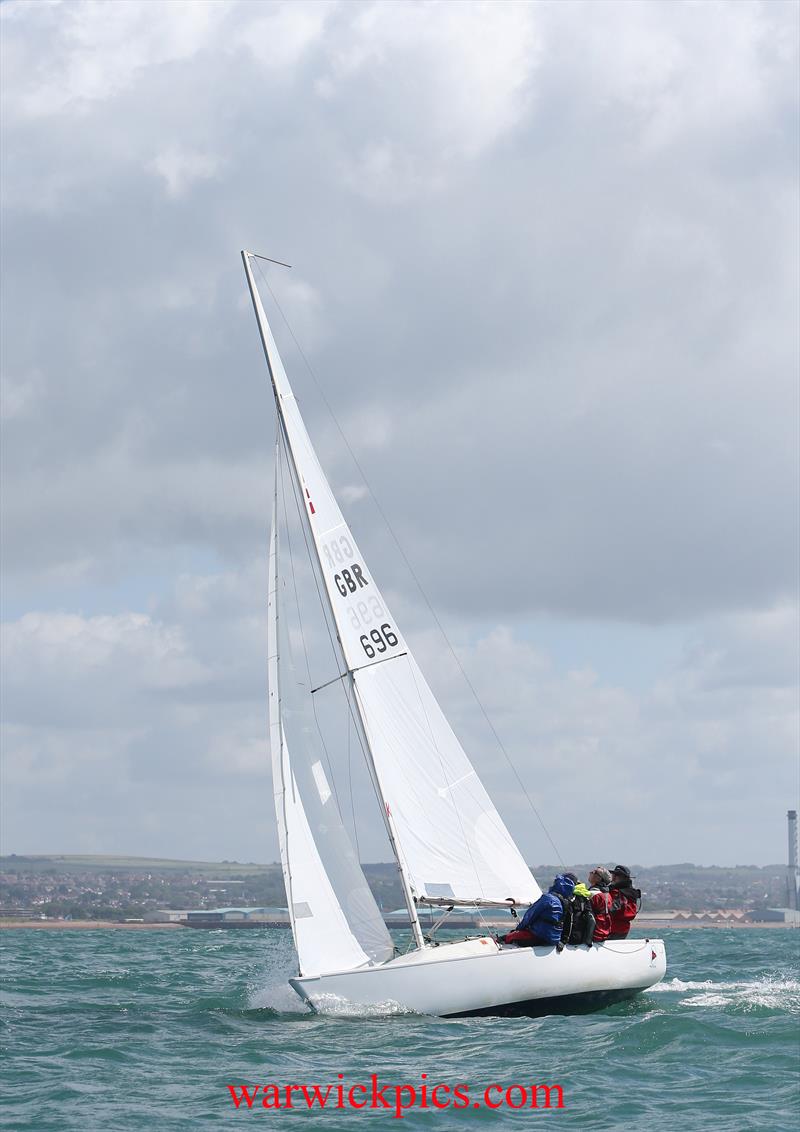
[{"x": 614, "y": 951}]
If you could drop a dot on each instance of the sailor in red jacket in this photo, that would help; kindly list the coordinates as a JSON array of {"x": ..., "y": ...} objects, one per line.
[
  {"x": 625, "y": 902},
  {"x": 598, "y": 881}
]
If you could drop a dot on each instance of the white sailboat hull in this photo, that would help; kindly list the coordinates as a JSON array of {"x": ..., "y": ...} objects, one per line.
[{"x": 476, "y": 976}]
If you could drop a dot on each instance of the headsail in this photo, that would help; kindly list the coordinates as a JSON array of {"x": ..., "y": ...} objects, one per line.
[
  {"x": 450, "y": 840},
  {"x": 454, "y": 843},
  {"x": 336, "y": 923}
]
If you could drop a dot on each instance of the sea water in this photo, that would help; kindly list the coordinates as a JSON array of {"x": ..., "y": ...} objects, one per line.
[{"x": 123, "y": 1030}]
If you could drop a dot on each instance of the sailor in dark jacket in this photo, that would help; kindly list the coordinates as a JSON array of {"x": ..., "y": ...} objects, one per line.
[
  {"x": 541, "y": 924},
  {"x": 625, "y": 902}
]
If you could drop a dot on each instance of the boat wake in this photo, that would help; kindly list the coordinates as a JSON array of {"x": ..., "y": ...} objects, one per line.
[{"x": 768, "y": 992}]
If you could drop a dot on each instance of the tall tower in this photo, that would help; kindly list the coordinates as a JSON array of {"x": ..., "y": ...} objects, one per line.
[{"x": 793, "y": 875}]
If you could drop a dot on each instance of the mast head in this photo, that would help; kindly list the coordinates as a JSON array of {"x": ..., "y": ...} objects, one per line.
[{"x": 266, "y": 258}]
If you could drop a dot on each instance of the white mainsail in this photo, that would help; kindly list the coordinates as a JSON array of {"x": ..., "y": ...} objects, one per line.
[
  {"x": 336, "y": 923},
  {"x": 450, "y": 841}
]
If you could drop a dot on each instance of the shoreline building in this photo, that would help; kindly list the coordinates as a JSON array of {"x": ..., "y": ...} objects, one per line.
[{"x": 793, "y": 873}]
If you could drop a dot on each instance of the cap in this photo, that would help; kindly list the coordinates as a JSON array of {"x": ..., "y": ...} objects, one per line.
[
  {"x": 602, "y": 873},
  {"x": 621, "y": 871}
]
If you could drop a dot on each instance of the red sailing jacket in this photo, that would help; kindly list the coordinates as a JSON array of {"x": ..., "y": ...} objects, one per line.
[
  {"x": 601, "y": 906},
  {"x": 624, "y": 906}
]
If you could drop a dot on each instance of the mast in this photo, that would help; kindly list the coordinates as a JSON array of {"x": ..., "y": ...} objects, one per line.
[
  {"x": 353, "y": 699},
  {"x": 273, "y": 662}
]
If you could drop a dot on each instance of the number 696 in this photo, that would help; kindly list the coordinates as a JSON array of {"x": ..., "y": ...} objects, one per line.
[{"x": 378, "y": 640}]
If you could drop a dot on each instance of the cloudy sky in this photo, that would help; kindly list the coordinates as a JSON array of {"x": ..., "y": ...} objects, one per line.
[{"x": 546, "y": 272}]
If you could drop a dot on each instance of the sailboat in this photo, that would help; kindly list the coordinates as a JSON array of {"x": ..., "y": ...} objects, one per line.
[{"x": 450, "y": 844}]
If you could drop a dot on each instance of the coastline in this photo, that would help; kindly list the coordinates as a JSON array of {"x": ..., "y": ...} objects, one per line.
[
  {"x": 71, "y": 925},
  {"x": 649, "y": 926},
  {"x": 734, "y": 925}
]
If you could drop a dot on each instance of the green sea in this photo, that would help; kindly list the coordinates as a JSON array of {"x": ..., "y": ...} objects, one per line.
[{"x": 123, "y": 1030}]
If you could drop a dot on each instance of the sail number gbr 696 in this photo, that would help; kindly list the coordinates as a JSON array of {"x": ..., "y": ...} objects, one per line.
[{"x": 366, "y": 611}]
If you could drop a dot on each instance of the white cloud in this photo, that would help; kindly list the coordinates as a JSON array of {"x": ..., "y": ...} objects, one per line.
[
  {"x": 132, "y": 700},
  {"x": 454, "y": 80},
  {"x": 180, "y": 168},
  {"x": 280, "y": 34},
  {"x": 747, "y": 648},
  {"x": 105, "y": 709},
  {"x": 707, "y": 751},
  {"x": 474, "y": 63},
  {"x": 77, "y": 670},
  {"x": 18, "y": 394},
  {"x": 89, "y": 51},
  {"x": 695, "y": 69},
  {"x": 352, "y": 492}
]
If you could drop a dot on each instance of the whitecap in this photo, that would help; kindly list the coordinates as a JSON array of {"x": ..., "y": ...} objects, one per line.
[
  {"x": 341, "y": 1008},
  {"x": 770, "y": 991}
]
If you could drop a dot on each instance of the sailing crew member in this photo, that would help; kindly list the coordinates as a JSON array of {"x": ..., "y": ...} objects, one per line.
[
  {"x": 598, "y": 881},
  {"x": 625, "y": 901},
  {"x": 541, "y": 925}
]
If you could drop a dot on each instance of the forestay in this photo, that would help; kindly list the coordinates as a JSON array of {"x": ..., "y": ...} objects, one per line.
[
  {"x": 336, "y": 923},
  {"x": 450, "y": 839}
]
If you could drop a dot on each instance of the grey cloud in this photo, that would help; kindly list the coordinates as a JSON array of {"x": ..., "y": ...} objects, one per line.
[
  {"x": 547, "y": 275},
  {"x": 618, "y": 314}
]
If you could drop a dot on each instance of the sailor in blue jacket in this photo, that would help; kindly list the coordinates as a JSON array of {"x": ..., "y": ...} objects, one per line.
[{"x": 541, "y": 925}]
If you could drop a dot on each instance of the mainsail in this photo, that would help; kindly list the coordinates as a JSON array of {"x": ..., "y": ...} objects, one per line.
[{"x": 450, "y": 841}]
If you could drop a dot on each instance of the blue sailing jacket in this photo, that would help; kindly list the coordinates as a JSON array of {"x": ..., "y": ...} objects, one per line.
[{"x": 544, "y": 918}]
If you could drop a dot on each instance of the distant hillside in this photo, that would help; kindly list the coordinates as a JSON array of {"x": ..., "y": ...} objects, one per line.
[
  {"x": 20, "y": 861},
  {"x": 100, "y": 862},
  {"x": 99, "y": 886}
]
